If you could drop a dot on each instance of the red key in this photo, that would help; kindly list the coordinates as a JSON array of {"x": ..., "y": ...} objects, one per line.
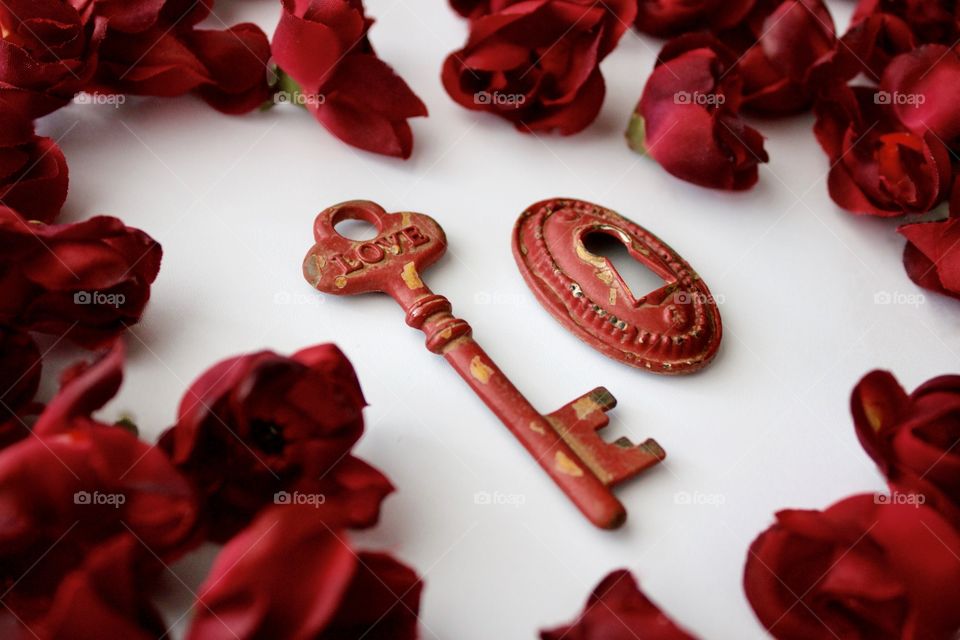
[{"x": 565, "y": 443}]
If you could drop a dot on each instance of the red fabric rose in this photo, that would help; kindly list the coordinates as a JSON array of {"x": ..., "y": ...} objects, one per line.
[
  {"x": 780, "y": 43},
  {"x": 687, "y": 117},
  {"x": 536, "y": 62},
  {"x": 673, "y": 17},
  {"x": 135, "y": 16},
  {"x": 923, "y": 87},
  {"x": 152, "y": 48},
  {"x": 877, "y": 166},
  {"x": 33, "y": 178},
  {"x": 930, "y": 22},
  {"x": 618, "y": 610},
  {"x": 104, "y": 597},
  {"x": 20, "y": 367},
  {"x": 87, "y": 280},
  {"x": 47, "y": 54},
  {"x": 263, "y": 428},
  {"x": 323, "y": 47},
  {"x": 880, "y": 30},
  {"x": 84, "y": 388},
  {"x": 290, "y": 576},
  {"x": 871, "y": 41},
  {"x": 932, "y": 255},
  {"x": 74, "y": 485},
  {"x": 472, "y": 8},
  {"x": 913, "y": 438},
  {"x": 857, "y": 570}
]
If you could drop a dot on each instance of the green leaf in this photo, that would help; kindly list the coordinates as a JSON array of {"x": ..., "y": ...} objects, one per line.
[{"x": 637, "y": 133}]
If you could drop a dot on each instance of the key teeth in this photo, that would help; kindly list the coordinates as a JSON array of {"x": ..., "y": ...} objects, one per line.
[
  {"x": 603, "y": 398},
  {"x": 611, "y": 462}
]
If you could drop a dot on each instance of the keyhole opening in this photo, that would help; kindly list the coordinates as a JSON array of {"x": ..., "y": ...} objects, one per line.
[
  {"x": 636, "y": 275},
  {"x": 356, "y": 229}
]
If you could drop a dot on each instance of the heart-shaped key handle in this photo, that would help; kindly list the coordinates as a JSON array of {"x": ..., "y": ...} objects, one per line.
[{"x": 406, "y": 243}]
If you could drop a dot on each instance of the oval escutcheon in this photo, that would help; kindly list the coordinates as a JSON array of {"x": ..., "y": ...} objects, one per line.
[{"x": 673, "y": 329}]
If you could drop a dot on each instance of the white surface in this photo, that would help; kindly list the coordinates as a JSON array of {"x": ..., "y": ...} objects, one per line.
[{"x": 765, "y": 427}]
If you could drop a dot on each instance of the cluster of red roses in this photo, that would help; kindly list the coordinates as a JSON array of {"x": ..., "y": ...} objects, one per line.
[
  {"x": 53, "y": 49},
  {"x": 88, "y": 280},
  {"x": 259, "y": 459},
  {"x": 869, "y": 566},
  {"x": 890, "y": 141}
]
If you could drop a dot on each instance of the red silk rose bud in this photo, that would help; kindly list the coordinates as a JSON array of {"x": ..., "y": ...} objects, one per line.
[
  {"x": 781, "y": 43},
  {"x": 863, "y": 568},
  {"x": 923, "y": 87},
  {"x": 20, "y": 367},
  {"x": 912, "y": 437},
  {"x": 673, "y": 17},
  {"x": 84, "y": 388},
  {"x": 77, "y": 483},
  {"x": 153, "y": 48},
  {"x": 877, "y": 167},
  {"x": 687, "y": 117},
  {"x": 136, "y": 16},
  {"x": 536, "y": 63},
  {"x": 932, "y": 255},
  {"x": 62, "y": 495},
  {"x": 471, "y": 8},
  {"x": 34, "y": 178},
  {"x": 263, "y": 428},
  {"x": 107, "y": 596},
  {"x": 306, "y": 582},
  {"x": 618, "y": 610},
  {"x": 929, "y": 22},
  {"x": 323, "y": 47},
  {"x": 87, "y": 280},
  {"x": 881, "y": 30},
  {"x": 236, "y": 61},
  {"x": 47, "y": 54}
]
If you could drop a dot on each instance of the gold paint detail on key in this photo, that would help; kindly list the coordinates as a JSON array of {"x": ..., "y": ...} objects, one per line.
[
  {"x": 536, "y": 427},
  {"x": 340, "y": 282},
  {"x": 585, "y": 406},
  {"x": 565, "y": 465},
  {"x": 480, "y": 370},
  {"x": 411, "y": 277}
]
